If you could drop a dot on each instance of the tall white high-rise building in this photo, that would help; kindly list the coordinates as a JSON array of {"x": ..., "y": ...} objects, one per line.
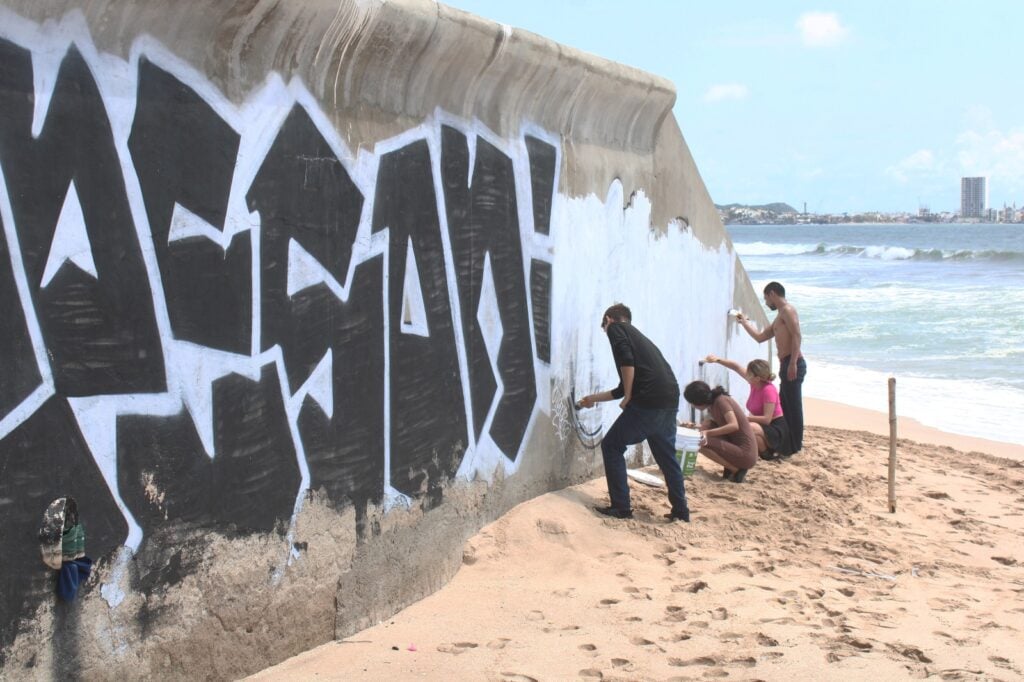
[{"x": 973, "y": 197}]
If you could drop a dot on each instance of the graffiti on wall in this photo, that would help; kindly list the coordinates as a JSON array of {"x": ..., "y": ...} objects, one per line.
[{"x": 209, "y": 309}]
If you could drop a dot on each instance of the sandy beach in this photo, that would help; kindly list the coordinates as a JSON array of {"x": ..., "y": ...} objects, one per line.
[{"x": 801, "y": 572}]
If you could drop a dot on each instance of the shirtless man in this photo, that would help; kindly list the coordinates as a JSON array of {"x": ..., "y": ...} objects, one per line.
[{"x": 785, "y": 329}]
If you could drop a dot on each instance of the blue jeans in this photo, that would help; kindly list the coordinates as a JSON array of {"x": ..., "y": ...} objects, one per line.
[{"x": 658, "y": 428}]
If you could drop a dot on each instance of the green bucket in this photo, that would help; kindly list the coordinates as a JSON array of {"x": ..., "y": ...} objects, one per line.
[{"x": 687, "y": 461}]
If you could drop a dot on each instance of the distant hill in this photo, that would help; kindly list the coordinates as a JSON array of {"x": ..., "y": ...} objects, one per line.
[{"x": 777, "y": 207}]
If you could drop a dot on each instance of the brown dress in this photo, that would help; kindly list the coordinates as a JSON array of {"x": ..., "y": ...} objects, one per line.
[{"x": 739, "y": 448}]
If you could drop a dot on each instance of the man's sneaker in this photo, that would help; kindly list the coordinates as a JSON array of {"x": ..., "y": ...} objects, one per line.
[
  {"x": 615, "y": 512},
  {"x": 676, "y": 516}
]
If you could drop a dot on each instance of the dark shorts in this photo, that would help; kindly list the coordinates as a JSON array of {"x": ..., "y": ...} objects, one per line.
[{"x": 776, "y": 434}]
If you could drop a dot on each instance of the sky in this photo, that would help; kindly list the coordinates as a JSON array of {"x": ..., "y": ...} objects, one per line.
[{"x": 847, "y": 106}]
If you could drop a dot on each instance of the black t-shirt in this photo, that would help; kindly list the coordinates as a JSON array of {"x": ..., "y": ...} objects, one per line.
[{"x": 654, "y": 384}]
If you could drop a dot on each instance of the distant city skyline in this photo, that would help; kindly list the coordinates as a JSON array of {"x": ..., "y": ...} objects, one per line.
[{"x": 847, "y": 106}]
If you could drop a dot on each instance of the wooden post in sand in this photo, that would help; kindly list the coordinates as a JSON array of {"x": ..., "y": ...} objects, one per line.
[{"x": 892, "y": 445}]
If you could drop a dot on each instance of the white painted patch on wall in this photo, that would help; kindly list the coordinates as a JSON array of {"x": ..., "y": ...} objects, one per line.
[{"x": 678, "y": 289}]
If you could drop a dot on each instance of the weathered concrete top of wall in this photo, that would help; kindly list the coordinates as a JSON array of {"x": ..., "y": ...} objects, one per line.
[
  {"x": 397, "y": 59},
  {"x": 379, "y": 67}
]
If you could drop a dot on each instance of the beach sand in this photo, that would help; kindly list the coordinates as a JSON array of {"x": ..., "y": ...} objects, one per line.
[{"x": 801, "y": 572}]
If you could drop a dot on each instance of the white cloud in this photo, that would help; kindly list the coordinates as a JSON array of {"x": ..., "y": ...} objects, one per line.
[
  {"x": 920, "y": 163},
  {"x": 994, "y": 153},
  {"x": 821, "y": 29},
  {"x": 723, "y": 91}
]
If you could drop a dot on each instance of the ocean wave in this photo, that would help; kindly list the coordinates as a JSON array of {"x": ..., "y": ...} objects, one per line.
[
  {"x": 877, "y": 252},
  {"x": 772, "y": 249},
  {"x": 980, "y": 404}
]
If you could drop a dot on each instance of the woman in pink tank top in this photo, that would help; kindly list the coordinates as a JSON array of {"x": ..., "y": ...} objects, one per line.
[{"x": 764, "y": 407}]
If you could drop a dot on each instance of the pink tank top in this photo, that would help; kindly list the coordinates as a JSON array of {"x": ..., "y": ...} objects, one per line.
[{"x": 761, "y": 394}]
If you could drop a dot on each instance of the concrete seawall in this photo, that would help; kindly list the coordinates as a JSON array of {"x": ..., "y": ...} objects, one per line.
[{"x": 295, "y": 297}]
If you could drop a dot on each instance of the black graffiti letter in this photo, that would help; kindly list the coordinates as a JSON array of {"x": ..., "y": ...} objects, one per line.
[
  {"x": 96, "y": 315},
  {"x": 428, "y": 419},
  {"x": 20, "y": 372},
  {"x": 166, "y": 478},
  {"x": 483, "y": 219},
  {"x": 184, "y": 155},
  {"x": 307, "y": 201},
  {"x": 543, "y": 158}
]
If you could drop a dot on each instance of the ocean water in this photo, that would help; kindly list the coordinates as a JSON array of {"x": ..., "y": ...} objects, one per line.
[{"x": 940, "y": 307}]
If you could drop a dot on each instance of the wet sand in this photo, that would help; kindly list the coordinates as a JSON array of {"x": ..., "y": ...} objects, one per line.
[{"x": 801, "y": 572}]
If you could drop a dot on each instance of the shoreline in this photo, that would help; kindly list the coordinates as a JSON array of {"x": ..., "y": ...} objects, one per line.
[{"x": 830, "y": 414}]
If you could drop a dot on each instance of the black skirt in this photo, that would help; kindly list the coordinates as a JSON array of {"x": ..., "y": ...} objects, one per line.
[{"x": 776, "y": 434}]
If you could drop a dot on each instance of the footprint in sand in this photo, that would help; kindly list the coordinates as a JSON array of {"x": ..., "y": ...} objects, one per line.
[
  {"x": 591, "y": 672},
  {"x": 668, "y": 561},
  {"x": 720, "y": 613},
  {"x": 535, "y": 615},
  {"x": 748, "y": 662},
  {"x": 1005, "y": 560},
  {"x": 588, "y": 647},
  {"x": 638, "y": 592},
  {"x": 911, "y": 652},
  {"x": 739, "y": 568},
  {"x": 635, "y": 619},
  {"x": 700, "y": 660},
  {"x": 693, "y": 587},
  {"x": 609, "y": 602},
  {"x": 499, "y": 643},
  {"x": 765, "y": 640},
  {"x": 857, "y": 643},
  {"x": 675, "y": 613},
  {"x": 939, "y": 604},
  {"x": 622, "y": 663},
  {"x": 640, "y": 641},
  {"x": 456, "y": 647}
]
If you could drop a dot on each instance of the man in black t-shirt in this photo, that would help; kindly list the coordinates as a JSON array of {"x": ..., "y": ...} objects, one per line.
[{"x": 649, "y": 397}]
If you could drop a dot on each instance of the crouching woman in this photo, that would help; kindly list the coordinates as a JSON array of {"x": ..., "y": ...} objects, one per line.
[
  {"x": 727, "y": 438},
  {"x": 764, "y": 407}
]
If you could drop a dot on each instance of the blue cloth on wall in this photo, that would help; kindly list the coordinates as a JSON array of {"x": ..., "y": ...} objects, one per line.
[{"x": 72, "y": 574}]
